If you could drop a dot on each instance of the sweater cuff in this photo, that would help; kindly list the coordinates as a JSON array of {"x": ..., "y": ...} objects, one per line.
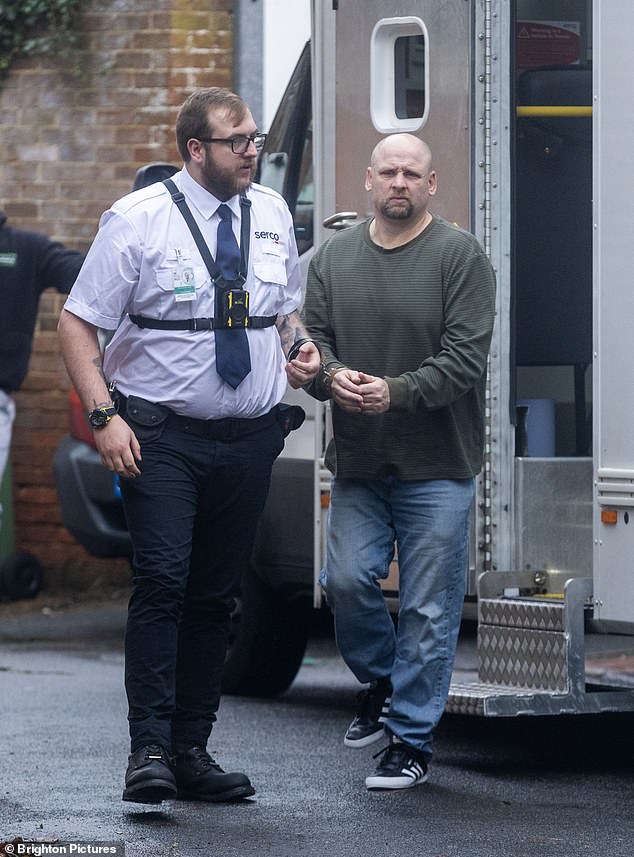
[{"x": 399, "y": 393}]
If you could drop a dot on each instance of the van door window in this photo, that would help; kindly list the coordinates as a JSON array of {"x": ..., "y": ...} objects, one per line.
[
  {"x": 286, "y": 162},
  {"x": 399, "y": 75},
  {"x": 305, "y": 203},
  {"x": 409, "y": 77}
]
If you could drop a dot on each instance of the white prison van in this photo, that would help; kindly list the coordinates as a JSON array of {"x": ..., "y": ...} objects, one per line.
[{"x": 529, "y": 112}]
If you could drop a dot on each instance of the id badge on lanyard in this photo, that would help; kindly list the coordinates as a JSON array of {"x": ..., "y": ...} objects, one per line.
[{"x": 184, "y": 281}]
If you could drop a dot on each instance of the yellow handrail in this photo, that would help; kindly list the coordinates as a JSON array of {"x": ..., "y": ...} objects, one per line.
[{"x": 559, "y": 111}]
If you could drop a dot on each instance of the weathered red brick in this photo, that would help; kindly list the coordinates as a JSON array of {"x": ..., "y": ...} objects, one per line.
[{"x": 86, "y": 137}]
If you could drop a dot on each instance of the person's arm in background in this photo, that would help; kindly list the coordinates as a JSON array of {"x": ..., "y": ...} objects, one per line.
[{"x": 57, "y": 266}]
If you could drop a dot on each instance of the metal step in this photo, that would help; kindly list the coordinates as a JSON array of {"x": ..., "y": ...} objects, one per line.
[
  {"x": 524, "y": 643},
  {"x": 531, "y": 652}
]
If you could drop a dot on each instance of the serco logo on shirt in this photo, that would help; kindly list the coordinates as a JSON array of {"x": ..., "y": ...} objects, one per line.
[{"x": 274, "y": 236}]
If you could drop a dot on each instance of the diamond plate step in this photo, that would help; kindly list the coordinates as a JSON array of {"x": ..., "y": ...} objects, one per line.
[
  {"x": 523, "y": 613},
  {"x": 520, "y": 657}
]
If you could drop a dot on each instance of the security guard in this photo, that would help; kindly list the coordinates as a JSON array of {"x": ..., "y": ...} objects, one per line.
[{"x": 200, "y": 277}]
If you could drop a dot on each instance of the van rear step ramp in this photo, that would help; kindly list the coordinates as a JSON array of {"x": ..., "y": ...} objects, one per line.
[{"x": 532, "y": 652}]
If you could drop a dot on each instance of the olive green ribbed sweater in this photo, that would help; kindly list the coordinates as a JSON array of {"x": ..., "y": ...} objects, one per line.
[{"x": 420, "y": 316}]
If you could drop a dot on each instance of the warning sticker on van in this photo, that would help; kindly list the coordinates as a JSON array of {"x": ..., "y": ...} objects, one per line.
[{"x": 547, "y": 43}]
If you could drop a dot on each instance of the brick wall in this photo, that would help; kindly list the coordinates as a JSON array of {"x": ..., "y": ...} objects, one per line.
[{"x": 72, "y": 142}]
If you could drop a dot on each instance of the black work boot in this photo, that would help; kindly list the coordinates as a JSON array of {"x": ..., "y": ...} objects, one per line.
[
  {"x": 149, "y": 777},
  {"x": 199, "y": 777}
]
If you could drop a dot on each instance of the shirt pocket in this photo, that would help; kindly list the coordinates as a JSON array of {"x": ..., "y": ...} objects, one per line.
[
  {"x": 269, "y": 288},
  {"x": 178, "y": 272}
]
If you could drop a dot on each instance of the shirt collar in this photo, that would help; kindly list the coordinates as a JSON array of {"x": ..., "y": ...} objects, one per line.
[{"x": 206, "y": 203}]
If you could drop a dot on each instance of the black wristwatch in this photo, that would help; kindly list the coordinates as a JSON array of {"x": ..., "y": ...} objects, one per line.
[{"x": 101, "y": 416}]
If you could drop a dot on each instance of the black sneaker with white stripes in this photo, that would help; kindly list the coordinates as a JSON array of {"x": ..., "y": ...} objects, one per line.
[
  {"x": 374, "y": 705},
  {"x": 400, "y": 767}
]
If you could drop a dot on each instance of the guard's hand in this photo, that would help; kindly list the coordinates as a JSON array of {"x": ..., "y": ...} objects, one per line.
[
  {"x": 302, "y": 369},
  {"x": 375, "y": 394},
  {"x": 119, "y": 448}
]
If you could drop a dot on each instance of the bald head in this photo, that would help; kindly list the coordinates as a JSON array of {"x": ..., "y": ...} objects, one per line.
[
  {"x": 402, "y": 144},
  {"x": 400, "y": 180}
]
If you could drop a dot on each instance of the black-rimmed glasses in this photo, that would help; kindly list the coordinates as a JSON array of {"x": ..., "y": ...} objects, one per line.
[{"x": 240, "y": 143}]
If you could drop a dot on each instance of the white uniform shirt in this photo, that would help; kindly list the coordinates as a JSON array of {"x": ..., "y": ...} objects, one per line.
[{"x": 130, "y": 269}]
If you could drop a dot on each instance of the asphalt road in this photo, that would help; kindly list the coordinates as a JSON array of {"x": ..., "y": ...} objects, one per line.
[{"x": 561, "y": 787}]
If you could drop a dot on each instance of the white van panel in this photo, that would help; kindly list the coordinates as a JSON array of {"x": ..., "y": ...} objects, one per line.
[{"x": 613, "y": 212}]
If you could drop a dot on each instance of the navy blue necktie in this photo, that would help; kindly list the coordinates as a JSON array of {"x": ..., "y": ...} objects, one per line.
[{"x": 233, "y": 361}]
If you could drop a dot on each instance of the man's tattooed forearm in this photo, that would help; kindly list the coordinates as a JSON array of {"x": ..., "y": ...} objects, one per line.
[
  {"x": 290, "y": 329},
  {"x": 97, "y": 362}
]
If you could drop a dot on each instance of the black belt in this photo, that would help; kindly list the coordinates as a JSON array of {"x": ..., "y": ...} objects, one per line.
[
  {"x": 256, "y": 322},
  {"x": 226, "y": 428}
]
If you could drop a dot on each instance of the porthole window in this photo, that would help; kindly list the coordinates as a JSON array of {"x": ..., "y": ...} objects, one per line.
[{"x": 399, "y": 75}]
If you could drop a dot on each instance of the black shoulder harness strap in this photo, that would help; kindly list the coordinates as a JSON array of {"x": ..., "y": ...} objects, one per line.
[
  {"x": 194, "y": 324},
  {"x": 245, "y": 235}
]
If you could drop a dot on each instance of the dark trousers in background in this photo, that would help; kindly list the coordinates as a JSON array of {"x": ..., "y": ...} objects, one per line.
[{"x": 192, "y": 515}]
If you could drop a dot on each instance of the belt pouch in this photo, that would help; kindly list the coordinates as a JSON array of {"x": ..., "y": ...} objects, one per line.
[
  {"x": 146, "y": 419},
  {"x": 289, "y": 417}
]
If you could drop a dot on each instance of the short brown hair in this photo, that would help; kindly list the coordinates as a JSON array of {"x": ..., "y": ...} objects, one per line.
[{"x": 193, "y": 117}]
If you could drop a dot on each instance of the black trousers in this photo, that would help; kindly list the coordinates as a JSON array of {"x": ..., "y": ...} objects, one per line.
[{"x": 192, "y": 515}]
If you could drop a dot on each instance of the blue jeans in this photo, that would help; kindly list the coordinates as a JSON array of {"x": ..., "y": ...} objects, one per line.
[
  {"x": 192, "y": 515},
  {"x": 429, "y": 522}
]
